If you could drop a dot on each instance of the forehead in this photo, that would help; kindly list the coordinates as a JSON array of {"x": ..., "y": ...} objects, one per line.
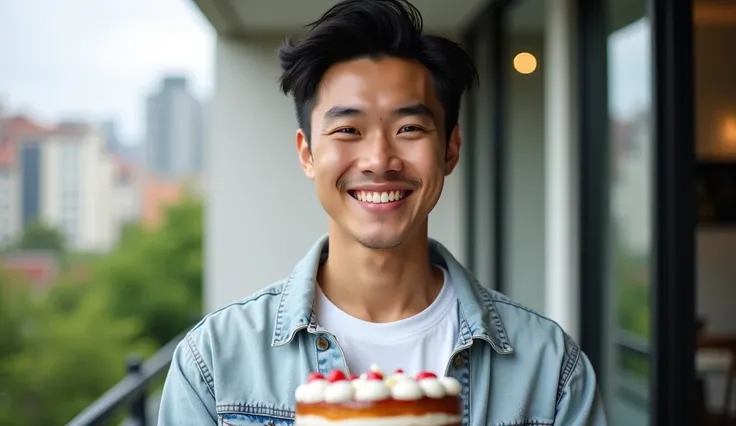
[{"x": 376, "y": 85}]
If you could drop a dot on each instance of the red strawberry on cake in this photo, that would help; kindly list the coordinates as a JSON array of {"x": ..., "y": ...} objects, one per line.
[{"x": 375, "y": 400}]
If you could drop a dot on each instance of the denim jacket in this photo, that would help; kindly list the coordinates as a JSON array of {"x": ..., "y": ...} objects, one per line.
[{"x": 240, "y": 365}]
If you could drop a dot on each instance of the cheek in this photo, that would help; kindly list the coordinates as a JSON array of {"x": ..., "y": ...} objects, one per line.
[
  {"x": 425, "y": 160},
  {"x": 330, "y": 163}
]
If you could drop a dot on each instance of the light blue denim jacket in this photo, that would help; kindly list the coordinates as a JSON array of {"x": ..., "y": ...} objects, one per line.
[{"x": 241, "y": 364}]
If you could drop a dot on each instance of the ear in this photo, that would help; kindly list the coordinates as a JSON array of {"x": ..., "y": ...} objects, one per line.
[
  {"x": 305, "y": 154},
  {"x": 452, "y": 152}
]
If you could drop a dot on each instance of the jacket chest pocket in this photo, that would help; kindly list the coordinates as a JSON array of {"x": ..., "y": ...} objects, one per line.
[{"x": 238, "y": 419}]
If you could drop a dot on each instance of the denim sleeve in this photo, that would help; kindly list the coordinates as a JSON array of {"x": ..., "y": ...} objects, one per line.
[
  {"x": 580, "y": 402},
  {"x": 188, "y": 397}
]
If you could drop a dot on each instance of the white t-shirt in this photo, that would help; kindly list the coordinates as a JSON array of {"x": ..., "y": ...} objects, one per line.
[{"x": 423, "y": 342}]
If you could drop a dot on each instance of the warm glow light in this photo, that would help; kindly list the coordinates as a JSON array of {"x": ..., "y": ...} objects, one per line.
[
  {"x": 729, "y": 132},
  {"x": 525, "y": 63}
]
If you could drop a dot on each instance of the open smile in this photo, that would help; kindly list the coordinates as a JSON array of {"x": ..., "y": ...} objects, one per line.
[{"x": 380, "y": 197}]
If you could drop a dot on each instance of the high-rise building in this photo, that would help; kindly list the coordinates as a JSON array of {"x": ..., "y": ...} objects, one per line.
[
  {"x": 174, "y": 130},
  {"x": 8, "y": 195},
  {"x": 78, "y": 186},
  {"x": 113, "y": 143},
  {"x": 13, "y": 132},
  {"x": 66, "y": 179}
]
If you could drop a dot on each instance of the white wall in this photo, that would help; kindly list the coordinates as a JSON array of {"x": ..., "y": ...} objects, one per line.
[
  {"x": 482, "y": 149},
  {"x": 540, "y": 186},
  {"x": 525, "y": 178},
  {"x": 262, "y": 213}
]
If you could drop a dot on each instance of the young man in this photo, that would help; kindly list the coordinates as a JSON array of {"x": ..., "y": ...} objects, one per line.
[{"x": 377, "y": 104}]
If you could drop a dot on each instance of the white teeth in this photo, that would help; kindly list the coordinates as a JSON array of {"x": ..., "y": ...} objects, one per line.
[{"x": 379, "y": 197}]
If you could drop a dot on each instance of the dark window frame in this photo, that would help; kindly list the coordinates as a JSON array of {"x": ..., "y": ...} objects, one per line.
[{"x": 672, "y": 349}]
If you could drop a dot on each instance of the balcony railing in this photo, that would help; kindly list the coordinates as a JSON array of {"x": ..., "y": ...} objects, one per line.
[
  {"x": 631, "y": 387},
  {"x": 131, "y": 392}
]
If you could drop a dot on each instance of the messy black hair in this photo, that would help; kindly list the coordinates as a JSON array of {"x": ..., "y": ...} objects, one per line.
[{"x": 373, "y": 28}]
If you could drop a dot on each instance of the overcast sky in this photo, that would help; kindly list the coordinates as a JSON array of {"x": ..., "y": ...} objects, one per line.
[{"x": 98, "y": 59}]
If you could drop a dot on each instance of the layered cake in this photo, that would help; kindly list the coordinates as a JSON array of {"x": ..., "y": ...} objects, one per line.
[{"x": 377, "y": 400}]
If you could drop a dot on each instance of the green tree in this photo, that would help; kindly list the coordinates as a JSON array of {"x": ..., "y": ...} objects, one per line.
[
  {"x": 14, "y": 311},
  {"x": 156, "y": 275},
  {"x": 68, "y": 360},
  {"x": 14, "y": 305},
  {"x": 61, "y": 350},
  {"x": 38, "y": 236}
]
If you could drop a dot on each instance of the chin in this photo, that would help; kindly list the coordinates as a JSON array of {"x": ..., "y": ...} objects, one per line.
[{"x": 380, "y": 242}]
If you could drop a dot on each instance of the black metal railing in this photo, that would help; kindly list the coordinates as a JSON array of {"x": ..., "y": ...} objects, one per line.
[
  {"x": 632, "y": 387},
  {"x": 131, "y": 392},
  {"x": 632, "y": 342}
]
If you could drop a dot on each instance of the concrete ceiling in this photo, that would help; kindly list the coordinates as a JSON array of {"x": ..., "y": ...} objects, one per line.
[{"x": 279, "y": 17}]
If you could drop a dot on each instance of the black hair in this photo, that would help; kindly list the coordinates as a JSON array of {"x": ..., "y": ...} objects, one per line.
[{"x": 373, "y": 28}]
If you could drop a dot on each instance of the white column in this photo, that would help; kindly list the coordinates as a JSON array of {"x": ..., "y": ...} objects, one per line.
[{"x": 562, "y": 286}]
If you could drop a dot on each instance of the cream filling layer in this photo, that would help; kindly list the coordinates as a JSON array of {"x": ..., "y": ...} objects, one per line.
[{"x": 434, "y": 419}]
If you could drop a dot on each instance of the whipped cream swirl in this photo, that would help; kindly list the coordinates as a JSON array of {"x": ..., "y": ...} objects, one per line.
[{"x": 337, "y": 388}]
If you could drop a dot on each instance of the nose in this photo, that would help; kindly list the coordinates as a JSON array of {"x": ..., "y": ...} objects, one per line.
[{"x": 379, "y": 155}]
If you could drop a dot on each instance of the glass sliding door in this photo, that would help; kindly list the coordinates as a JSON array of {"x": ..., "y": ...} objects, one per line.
[
  {"x": 637, "y": 228},
  {"x": 629, "y": 240}
]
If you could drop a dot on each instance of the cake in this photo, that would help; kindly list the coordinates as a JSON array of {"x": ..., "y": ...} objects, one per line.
[{"x": 374, "y": 400}]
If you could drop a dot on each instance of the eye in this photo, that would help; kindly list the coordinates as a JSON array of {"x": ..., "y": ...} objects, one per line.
[
  {"x": 410, "y": 128},
  {"x": 346, "y": 131}
]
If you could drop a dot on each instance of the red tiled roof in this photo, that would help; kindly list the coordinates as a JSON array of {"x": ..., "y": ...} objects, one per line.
[
  {"x": 17, "y": 128},
  {"x": 7, "y": 155},
  {"x": 13, "y": 131}
]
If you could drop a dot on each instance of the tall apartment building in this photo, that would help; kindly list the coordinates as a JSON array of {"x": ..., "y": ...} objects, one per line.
[
  {"x": 174, "y": 130},
  {"x": 8, "y": 195},
  {"x": 67, "y": 182},
  {"x": 13, "y": 131}
]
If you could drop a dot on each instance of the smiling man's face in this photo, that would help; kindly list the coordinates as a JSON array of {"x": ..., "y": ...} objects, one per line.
[{"x": 378, "y": 153}]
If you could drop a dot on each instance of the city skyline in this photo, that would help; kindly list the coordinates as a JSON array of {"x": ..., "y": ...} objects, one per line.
[{"x": 97, "y": 61}]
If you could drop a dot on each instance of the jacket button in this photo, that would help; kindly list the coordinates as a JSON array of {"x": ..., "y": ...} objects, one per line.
[
  {"x": 322, "y": 344},
  {"x": 458, "y": 361}
]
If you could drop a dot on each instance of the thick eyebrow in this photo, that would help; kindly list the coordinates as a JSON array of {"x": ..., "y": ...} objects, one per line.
[
  {"x": 338, "y": 111},
  {"x": 418, "y": 109}
]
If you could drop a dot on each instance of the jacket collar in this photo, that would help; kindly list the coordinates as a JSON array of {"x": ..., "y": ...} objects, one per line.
[{"x": 295, "y": 306}]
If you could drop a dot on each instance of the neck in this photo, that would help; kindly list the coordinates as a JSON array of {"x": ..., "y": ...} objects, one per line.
[{"x": 379, "y": 285}]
